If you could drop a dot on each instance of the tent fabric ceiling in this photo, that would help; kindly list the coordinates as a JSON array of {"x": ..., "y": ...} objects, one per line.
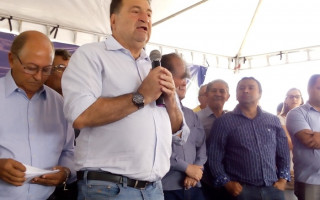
[{"x": 219, "y": 27}]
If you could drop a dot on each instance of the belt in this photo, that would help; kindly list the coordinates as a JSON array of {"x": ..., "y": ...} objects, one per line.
[{"x": 107, "y": 176}]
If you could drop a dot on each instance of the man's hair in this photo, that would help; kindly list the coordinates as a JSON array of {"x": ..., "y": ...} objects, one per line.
[
  {"x": 210, "y": 84},
  {"x": 18, "y": 43},
  {"x": 279, "y": 107},
  {"x": 166, "y": 62},
  {"x": 251, "y": 78},
  {"x": 115, "y": 6},
  {"x": 202, "y": 86},
  {"x": 63, "y": 53},
  {"x": 313, "y": 79}
]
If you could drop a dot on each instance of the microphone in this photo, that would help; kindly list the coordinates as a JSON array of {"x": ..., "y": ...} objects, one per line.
[{"x": 155, "y": 57}]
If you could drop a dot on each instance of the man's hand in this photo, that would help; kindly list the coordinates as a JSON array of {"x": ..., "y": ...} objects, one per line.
[
  {"x": 280, "y": 184},
  {"x": 12, "y": 171},
  {"x": 150, "y": 88},
  {"x": 194, "y": 171},
  {"x": 189, "y": 182},
  {"x": 53, "y": 179},
  {"x": 168, "y": 87},
  {"x": 234, "y": 188}
]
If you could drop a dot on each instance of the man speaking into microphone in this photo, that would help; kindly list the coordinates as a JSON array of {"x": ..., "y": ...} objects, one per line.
[{"x": 110, "y": 94}]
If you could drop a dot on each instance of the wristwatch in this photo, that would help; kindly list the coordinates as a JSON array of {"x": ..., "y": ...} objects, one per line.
[{"x": 138, "y": 100}]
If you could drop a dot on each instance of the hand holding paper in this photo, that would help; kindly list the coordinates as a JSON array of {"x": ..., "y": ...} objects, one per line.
[
  {"x": 33, "y": 172},
  {"x": 12, "y": 171}
]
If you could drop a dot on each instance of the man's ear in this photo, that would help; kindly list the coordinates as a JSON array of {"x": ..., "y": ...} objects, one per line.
[
  {"x": 10, "y": 58},
  {"x": 228, "y": 97},
  {"x": 112, "y": 21}
]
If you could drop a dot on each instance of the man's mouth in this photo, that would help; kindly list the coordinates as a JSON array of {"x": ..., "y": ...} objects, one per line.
[{"x": 143, "y": 28}]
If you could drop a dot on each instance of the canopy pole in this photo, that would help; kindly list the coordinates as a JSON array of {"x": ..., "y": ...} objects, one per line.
[
  {"x": 179, "y": 12},
  {"x": 249, "y": 28}
]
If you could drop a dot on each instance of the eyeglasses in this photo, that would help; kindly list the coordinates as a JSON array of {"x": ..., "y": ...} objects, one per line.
[
  {"x": 59, "y": 68},
  {"x": 34, "y": 69},
  {"x": 294, "y": 96}
]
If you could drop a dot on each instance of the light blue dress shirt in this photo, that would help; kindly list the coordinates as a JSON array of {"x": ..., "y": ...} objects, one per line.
[
  {"x": 306, "y": 160},
  {"x": 34, "y": 132},
  {"x": 137, "y": 146}
]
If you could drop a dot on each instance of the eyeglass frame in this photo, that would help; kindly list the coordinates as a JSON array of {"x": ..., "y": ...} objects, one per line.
[
  {"x": 27, "y": 70},
  {"x": 294, "y": 96},
  {"x": 59, "y": 68}
]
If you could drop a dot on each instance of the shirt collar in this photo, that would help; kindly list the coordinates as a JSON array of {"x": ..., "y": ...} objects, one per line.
[
  {"x": 310, "y": 107},
  {"x": 208, "y": 112},
  {"x": 12, "y": 87},
  {"x": 238, "y": 111},
  {"x": 113, "y": 45}
]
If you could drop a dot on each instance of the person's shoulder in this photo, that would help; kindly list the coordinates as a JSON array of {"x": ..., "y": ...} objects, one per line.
[
  {"x": 298, "y": 111},
  {"x": 2, "y": 85},
  {"x": 90, "y": 47},
  {"x": 227, "y": 115},
  {"x": 271, "y": 115},
  {"x": 188, "y": 110},
  {"x": 52, "y": 94},
  {"x": 225, "y": 118},
  {"x": 2, "y": 81},
  {"x": 198, "y": 112}
]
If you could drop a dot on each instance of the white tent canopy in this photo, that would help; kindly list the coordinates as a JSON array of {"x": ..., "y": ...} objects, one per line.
[{"x": 205, "y": 32}]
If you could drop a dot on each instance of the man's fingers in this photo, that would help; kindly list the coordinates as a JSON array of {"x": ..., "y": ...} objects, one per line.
[
  {"x": 19, "y": 166},
  {"x": 14, "y": 181},
  {"x": 45, "y": 181}
]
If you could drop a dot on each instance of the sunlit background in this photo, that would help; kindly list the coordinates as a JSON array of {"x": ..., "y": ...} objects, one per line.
[{"x": 275, "y": 81}]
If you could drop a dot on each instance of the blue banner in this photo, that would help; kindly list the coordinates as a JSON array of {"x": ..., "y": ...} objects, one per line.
[{"x": 6, "y": 40}]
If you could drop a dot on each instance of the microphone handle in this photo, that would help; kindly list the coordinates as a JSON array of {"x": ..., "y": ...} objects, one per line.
[
  {"x": 155, "y": 63},
  {"x": 160, "y": 100}
]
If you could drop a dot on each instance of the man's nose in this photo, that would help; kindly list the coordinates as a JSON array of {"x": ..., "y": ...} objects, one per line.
[
  {"x": 144, "y": 17},
  {"x": 39, "y": 75}
]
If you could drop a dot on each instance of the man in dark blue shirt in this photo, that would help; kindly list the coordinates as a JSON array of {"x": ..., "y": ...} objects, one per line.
[{"x": 249, "y": 153}]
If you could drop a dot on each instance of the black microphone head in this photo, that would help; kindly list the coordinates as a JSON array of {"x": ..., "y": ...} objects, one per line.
[{"x": 155, "y": 55}]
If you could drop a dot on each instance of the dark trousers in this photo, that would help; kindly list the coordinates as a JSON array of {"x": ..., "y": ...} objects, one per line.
[
  {"x": 69, "y": 194},
  {"x": 213, "y": 193},
  {"x": 260, "y": 193},
  {"x": 194, "y": 193}
]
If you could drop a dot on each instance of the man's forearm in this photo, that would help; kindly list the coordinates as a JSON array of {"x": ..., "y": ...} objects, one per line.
[
  {"x": 105, "y": 111},
  {"x": 175, "y": 116}
]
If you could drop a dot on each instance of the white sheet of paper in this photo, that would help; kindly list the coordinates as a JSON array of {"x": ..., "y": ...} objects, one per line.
[{"x": 33, "y": 172}]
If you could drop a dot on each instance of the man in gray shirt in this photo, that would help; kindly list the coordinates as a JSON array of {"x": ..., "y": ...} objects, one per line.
[
  {"x": 182, "y": 182},
  {"x": 217, "y": 94},
  {"x": 303, "y": 124}
]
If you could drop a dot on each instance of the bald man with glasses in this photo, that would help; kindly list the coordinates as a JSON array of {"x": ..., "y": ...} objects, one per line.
[{"x": 33, "y": 130}]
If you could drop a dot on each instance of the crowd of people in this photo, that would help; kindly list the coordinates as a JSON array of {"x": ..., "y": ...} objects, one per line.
[{"x": 92, "y": 120}]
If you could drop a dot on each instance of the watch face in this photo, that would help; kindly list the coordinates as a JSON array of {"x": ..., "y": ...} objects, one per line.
[{"x": 138, "y": 100}]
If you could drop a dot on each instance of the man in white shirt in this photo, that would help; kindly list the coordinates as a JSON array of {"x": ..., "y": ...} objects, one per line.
[{"x": 110, "y": 93}]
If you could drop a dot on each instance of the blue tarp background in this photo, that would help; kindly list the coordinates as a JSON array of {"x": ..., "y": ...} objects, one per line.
[{"x": 5, "y": 44}]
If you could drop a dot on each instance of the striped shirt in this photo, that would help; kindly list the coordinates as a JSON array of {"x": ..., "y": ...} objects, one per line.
[{"x": 250, "y": 151}]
